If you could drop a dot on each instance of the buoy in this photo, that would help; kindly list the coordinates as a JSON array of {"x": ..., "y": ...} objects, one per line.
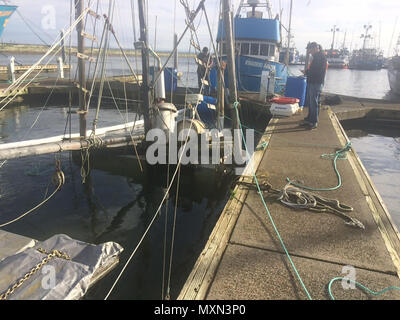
[{"x": 284, "y": 100}]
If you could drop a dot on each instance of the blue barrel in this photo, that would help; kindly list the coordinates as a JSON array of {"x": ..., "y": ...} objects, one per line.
[
  {"x": 296, "y": 88},
  {"x": 207, "y": 115},
  {"x": 210, "y": 100}
]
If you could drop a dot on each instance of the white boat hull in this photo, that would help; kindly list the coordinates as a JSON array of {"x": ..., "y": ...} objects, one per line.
[{"x": 394, "y": 80}]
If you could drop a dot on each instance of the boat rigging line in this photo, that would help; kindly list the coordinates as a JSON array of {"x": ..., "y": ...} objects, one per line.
[
  {"x": 176, "y": 172},
  {"x": 12, "y": 89},
  {"x": 58, "y": 180}
]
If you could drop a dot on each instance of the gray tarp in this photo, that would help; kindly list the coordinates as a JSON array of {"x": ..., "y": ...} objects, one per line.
[{"x": 58, "y": 279}]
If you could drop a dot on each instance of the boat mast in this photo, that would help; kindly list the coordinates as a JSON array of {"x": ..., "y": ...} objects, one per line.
[
  {"x": 289, "y": 35},
  {"x": 334, "y": 29},
  {"x": 229, "y": 41},
  {"x": 146, "y": 90},
  {"x": 79, "y": 7},
  {"x": 366, "y": 35}
]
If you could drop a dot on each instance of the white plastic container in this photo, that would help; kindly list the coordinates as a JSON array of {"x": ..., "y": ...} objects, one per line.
[{"x": 284, "y": 110}]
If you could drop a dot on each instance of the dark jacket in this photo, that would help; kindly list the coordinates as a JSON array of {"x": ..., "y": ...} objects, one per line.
[
  {"x": 316, "y": 72},
  {"x": 201, "y": 69}
]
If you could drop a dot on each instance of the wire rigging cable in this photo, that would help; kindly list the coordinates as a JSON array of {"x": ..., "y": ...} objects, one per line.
[
  {"x": 176, "y": 172},
  {"x": 13, "y": 88},
  {"x": 58, "y": 179}
]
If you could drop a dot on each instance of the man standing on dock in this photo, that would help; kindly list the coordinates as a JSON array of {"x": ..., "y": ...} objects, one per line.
[
  {"x": 203, "y": 60},
  {"x": 315, "y": 82}
]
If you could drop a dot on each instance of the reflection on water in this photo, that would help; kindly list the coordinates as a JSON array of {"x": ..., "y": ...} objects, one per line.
[
  {"x": 117, "y": 203},
  {"x": 380, "y": 154}
]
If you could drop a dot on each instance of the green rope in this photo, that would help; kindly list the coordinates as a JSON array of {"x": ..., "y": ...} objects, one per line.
[
  {"x": 359, "y": 285},
  {"x": 262, "y": 146},
  {"x": 267, "y": 210},
  {"x": 339, "y": 154}
]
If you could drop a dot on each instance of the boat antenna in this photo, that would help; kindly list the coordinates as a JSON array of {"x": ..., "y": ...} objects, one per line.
[
  {"x": 391, "y": 39},
  {"x": 366, "y": 35},
  {"x": 334, "y": 30}
]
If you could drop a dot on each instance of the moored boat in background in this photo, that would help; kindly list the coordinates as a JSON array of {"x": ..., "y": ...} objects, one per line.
[
  {"x": 257, "y": 44},
  {"x": 337, "y": 59},
  {"x": 366, "y": 58},
  {"x": 393, "y": 71}
]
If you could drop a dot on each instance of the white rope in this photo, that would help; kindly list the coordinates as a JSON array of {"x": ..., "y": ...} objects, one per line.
[
  {"x": 154, "y": 217},
  {"x": 16, "y": 85},
  {"x": 60, "y": 183}
]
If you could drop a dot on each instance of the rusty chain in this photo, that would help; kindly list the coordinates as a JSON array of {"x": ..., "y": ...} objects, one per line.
[{"x": 50, "y": 255}]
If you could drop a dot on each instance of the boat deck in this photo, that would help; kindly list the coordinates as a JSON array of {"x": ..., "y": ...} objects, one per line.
[{"x": 244, "y": 258}]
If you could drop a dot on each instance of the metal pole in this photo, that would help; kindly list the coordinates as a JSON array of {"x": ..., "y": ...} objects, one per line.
[
  {"x": 79, "y": 5},
  {"x": 63, "y": 55},
  {"x": 289, "y": 35},
  {"x": 176, "y": 52},
  {"x": 230, "y": 45},
  {"x": 146, "y": 90}
]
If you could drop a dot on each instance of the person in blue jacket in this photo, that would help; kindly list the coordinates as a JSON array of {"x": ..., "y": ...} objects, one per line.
[{"x": 315, "y": 83}]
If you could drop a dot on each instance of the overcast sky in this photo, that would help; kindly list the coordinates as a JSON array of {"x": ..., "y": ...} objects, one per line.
[{"x": 312, "y": 20}]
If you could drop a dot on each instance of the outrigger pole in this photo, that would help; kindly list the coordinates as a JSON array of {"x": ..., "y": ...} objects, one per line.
[
  {"x": 144, "y": 45},
  {"x": 79, "y": 6},
  {"x": 230, "y": 47}
]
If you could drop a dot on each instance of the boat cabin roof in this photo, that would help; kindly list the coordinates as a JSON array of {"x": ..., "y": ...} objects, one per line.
[{"x": 252, "y": 29}]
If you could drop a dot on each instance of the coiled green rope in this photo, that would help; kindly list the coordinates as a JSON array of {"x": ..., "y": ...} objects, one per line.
[{"x": 339, "y": 154}]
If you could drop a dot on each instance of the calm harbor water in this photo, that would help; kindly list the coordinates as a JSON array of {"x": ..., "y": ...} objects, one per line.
[
  {"x": 378, "y": 147},
  {"x": 357, "y": 83},
  {"x": 118, "y": 201}
]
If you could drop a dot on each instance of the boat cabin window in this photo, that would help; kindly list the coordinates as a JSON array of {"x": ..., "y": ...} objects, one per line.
[
  {"x": 264, "y": 49},
  {"x": 244, "y": 48},
  {"x": 254, "y": 47},
  {"x": 271, "y": 50}
]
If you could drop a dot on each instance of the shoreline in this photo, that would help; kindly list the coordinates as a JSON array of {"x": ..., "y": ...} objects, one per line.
[{"x": 41, "y": 49}]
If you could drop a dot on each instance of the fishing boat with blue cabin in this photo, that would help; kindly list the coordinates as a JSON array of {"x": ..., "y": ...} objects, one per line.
[{"x": 257, "y": 48}]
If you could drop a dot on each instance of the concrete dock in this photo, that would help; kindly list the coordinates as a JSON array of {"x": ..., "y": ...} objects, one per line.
[{"x": 244, "y": 259}]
